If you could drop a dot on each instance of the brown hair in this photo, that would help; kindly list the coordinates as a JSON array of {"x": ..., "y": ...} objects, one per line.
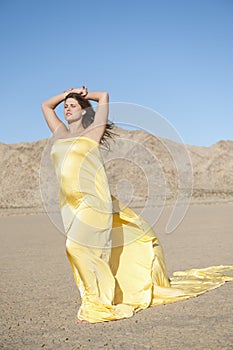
[{"x": 89, "y": 116}]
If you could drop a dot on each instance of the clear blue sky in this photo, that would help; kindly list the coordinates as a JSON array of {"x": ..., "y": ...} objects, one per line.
[{"x": 172, "y": 56}]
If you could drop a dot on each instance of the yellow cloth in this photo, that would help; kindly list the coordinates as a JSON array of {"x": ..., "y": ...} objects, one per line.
[{"x": 116, "y": 258}]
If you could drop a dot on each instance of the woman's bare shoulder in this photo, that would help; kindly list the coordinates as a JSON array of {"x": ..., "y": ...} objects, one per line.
[{"x": 61, "y": 132}]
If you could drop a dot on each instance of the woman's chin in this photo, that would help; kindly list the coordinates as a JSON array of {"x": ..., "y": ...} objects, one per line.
[
  {"x": 72, "y": 119},
  {"x": 68, "y": 117}
]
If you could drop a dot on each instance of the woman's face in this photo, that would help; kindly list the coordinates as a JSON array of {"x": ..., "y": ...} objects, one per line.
[{"x": 72, "y": 109}]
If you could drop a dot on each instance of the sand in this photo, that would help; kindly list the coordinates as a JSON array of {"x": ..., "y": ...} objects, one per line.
[{"x": 40, "y": 299}]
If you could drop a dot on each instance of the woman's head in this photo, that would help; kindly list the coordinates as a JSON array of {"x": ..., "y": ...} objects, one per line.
[{"x": 77, "y": 107}]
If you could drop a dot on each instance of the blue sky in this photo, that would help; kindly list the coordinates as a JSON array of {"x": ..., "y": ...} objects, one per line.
[{"x": 174, "y": 57}]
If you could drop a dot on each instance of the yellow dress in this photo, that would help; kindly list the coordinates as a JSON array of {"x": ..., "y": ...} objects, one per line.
[{"x": 116, "y": 258}]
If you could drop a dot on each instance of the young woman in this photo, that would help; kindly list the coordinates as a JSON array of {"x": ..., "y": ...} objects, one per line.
[{"x": 116, "y": 258}]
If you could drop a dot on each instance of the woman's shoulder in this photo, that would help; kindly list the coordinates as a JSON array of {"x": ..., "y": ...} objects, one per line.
[{"x": 61, "y": 132}]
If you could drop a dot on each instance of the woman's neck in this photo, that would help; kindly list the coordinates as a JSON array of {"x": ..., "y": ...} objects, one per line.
[{"x": 76, "y": 127}]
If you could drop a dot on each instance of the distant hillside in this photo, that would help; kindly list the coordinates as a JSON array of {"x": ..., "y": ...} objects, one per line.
[{"x": 139, "y": 166}]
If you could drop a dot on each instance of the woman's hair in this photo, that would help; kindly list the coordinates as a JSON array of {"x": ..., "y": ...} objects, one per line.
[{"x": 89, "y": 116}]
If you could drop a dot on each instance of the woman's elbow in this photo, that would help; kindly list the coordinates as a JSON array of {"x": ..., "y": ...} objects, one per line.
[
  {"x": 43, "y": 105},
  {"x": 105, "y": 96}
]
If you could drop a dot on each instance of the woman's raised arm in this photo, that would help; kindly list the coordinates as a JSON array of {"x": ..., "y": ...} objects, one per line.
[{"x": 48, "y": 109}]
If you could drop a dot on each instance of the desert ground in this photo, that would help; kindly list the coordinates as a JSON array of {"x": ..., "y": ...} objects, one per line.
[{"x": 40, "y": 299}]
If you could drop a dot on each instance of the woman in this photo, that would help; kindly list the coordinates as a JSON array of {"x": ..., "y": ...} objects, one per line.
[{"x": 116, "y": 258}]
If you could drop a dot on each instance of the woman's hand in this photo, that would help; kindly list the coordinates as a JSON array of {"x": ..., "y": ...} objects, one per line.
[{"x": 83, "y": 91}]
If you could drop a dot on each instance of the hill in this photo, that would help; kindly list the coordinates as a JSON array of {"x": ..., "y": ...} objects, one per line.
[{"x": 140, "y": 167}]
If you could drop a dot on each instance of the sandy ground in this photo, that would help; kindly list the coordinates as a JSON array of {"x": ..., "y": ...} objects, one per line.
[{"x": 39, "y": 299}]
